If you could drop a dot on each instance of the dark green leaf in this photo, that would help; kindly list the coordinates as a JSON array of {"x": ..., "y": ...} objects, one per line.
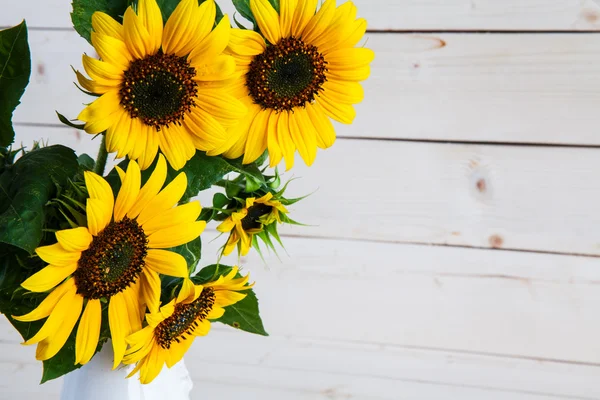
[
  {"x": 86, "y": 162},
  {"x": 242, "y": 315},
  {"x": 84, "y": 9},
  {"x": 26, "y": 187},
  {"x": 15, "y": 68},
  {"x": 66, "y": 121},
  {"x": 220, "y": 200},
  {"x": 243, "y": 7}
]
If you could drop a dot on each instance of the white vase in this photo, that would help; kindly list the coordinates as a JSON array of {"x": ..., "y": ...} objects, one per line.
[{"x": 97, "y": 381}]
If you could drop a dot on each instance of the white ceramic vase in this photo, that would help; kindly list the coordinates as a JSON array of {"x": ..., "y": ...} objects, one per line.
[{"x": 97, "y": 381}]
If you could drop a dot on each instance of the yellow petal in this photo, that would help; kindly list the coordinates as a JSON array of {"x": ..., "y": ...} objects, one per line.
[
  {"x": 284, "y": 139},
  {"x": 178, "y": 350},
  {"x": 111, "y": 50},
  {"x": 343, "y": 91},
  {"x": 98, "y": 217},
  {"x": 48, "y": 304},
  {"x": 154, "y": 363},
  {"x": 151, "y": 188},
  {"x": 48, "y": 277},
  {"x": 341, "y": 112},
  {"x": 226, "y": 226},
  {"x": 167, "y": 263},
  {"x": 215, "y": 313},
  {"x": 98, "y": 188},
  {"x": 304, "y": 11},
  {"x": 338, "y": 28},
  {"x": 129, "y": 191},
  {"x": 188, "y": 292},
  {"x": 76, "y": 239},
  {"x": 187, "y": 26},
  {"x": 141, "y": 343},
  {"x": 150, "y": 289},
  {"x": 214, "y": 43},
  {"x": 275, "y": 153},
  {"x": 304, "y": 135},
  {"x": 323, "y": 126},
  {"x": 208, "y": 132},
  {"x": 58, "y": 314},
  {"x": 56, "y": 340},
  {"x": 214, "y": 69},
  {"x": 105, "y": 24},
  {"x": 151, "y": 18},
  {"x": 137, "y": 38},
  {"x": 222, "y": 106},
  {"x": 88, "y": 332},
  {"x": 202, "y": 329},
  {"x": 164, "y": 200},
  {"x": 176, "y": 145},
  {"x": 224, "y": 298},
  {"x": 131, "y": 295},
  {"x": 101, "y": 108},
  {"x": 353, "y": 74},
  {"x": 102, "y": 72},
  {"x": 246, "y": 42},
  {"x": 119, "y": 326},
  {"x": 149, "y": 152},
  {"x": 319, "y": 22},
  {"x": 176, "y": 235},
  {"x": 349, "y": 58},
  {"x": 57, "y": 255},
  {"x": 257, "y": 138},
  {"x": 286, "y": 17},
  {"x": 267, "y": 20},
  {"x": 185, "y": 213}
]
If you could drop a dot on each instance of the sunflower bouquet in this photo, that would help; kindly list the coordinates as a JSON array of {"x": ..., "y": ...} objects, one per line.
[{"x": 92, "y": 258}]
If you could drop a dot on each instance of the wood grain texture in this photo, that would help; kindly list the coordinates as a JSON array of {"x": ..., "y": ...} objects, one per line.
[
  {"x": 491, "y": 196},
  {"x": 459, "y": 87},
  {"x": 411, "y": 15}
]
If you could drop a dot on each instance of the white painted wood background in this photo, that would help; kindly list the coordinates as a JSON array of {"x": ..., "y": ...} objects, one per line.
[{"x": 454, "y": 239}]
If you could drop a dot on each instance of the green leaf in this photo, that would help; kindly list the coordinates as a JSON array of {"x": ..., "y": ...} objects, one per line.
[
  {"x": 84, "y": 9},
  {"x": 26, "y": 187},
  {"x": 15, "y": 68},
  {"x": 242, "y": 315},
  {"x": 86, "y": 162},
  {"x": 66, "y": 121},
  {"x": 243, "y": 7}
]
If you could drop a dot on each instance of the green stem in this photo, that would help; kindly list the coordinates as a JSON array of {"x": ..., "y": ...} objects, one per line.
[{"x": 102, "y": 156}]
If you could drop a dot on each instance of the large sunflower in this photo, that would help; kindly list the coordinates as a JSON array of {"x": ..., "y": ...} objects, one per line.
[
  {"x": 117, "y": 258},
  {"x": 161, "y": 87},
  {"x": 301, "y": 70},
  {"x": 171, "y": 331},
  {"x": 249, "y": 221}
]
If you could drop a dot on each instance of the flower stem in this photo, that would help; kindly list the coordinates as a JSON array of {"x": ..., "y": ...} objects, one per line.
[{"x": 102, "y": 156}]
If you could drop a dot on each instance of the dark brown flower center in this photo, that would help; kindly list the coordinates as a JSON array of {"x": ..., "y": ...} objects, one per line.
[
  {"x": 184, "y": 319},
  {"x": 287, "y": 75},
  {"x": 159, "y": 89},
  {"x": 252, "y": 219},
  {"x": 113, "y": 261}
]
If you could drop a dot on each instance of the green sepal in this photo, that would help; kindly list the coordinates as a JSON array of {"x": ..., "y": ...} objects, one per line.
[
  {"x": 242, "y": 315},
  {"x": 67, "y": 122},
  {"x": 81, "y": 16},
  {"x": 26, "y": 188},
  {"x": 86, "y": 162},
  {"x": 15, "y": 69}
]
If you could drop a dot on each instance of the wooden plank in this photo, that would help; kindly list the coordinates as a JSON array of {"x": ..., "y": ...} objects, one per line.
[
  {"x": 397, "y": 297},
  {"x": 294, "y": 368},
  {"x": 510, "y": 197},
  {"x": 450, "y": 87},
  {"x": 521, "y": 15}
]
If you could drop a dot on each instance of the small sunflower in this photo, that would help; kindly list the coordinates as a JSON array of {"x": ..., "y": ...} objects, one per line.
[
  {"x": 117, "y": 259},
  {"x": 161, "y": 87},
  {"x": 171, "y": 330},
  {"x": 301, "y": 70},
  {"x": 249, "y": 221}
]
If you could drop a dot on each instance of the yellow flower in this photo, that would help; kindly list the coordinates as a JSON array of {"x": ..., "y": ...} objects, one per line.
[
  {"x": 162, "y": 87},
  {"x": 306, "y": 72},
  {"x": 117, "y": 258},
  {"x": 250, "y": 220},
  {"x": 171, "y": 331}
]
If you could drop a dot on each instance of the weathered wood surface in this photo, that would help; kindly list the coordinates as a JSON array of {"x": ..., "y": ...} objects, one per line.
[
  {"x": 458, "y": 87},
  {"x": 410, "y": 15}
]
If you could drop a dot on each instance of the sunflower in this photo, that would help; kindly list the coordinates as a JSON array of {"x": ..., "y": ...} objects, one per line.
[
  {"x": 161, "y": 87},
  {"x": 300, "y": 71},
  {"x": 116, "y": 259},
  {"x": 171, "y": 330},
  {"x": 249, "y": 221}
]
